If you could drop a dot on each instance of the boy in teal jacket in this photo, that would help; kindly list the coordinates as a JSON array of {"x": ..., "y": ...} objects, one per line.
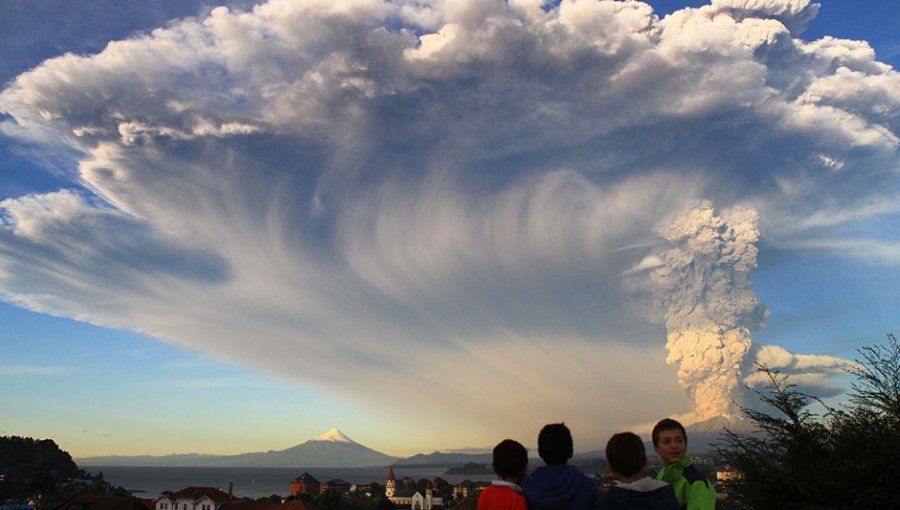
[{"x": 692, "y": 488}]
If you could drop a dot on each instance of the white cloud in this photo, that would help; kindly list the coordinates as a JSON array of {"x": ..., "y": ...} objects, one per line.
[
  {"x": 813, "y": 374},
  {"x": 426, "y": 199},
  {"x": 871, "y": 250},
  {"x": 793, "y": 13},
  {"x": 829, "y": 217}
]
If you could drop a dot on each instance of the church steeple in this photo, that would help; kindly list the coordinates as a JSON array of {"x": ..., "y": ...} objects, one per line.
[{"x": 391, "y": 485}]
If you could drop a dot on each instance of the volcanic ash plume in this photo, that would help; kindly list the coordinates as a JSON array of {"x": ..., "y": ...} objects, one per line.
[{"x": 698, "y": 285}]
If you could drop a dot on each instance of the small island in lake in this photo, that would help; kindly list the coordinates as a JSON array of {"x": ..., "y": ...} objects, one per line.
[{"x": 470, "y": 468}]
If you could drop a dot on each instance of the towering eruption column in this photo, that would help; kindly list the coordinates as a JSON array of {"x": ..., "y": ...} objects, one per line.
[{"x": 700, "y": 288}]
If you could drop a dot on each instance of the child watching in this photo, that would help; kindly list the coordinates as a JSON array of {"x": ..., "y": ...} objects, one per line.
[
  {"x": 634, "y": 491},
  {"x": 510, "y": 464},
  {"x": 558, "y": 486},
  {"x": 692, "y": 488}
]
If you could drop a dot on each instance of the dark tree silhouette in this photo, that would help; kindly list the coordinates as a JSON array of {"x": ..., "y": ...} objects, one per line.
[
  {"x": 842, "y": 458},
  {"x": 31, "y": 466}
]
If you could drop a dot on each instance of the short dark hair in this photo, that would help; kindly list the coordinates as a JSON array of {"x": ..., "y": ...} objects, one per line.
[
  {"x": 555, "y": 444},
  {"x": 667, "y": 424},
  {"x": 626, "y": 454},
  {"x": 510, "y": 458}
]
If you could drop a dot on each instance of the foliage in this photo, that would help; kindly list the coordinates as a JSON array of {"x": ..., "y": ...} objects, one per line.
[
  {"x": 306, "y": 498},
  {"x": 63, "y": 492},
  {"x": 333, "y": 500},
  {"x": 383, "y": 503},
  {"x": 329, "y": 500},
  {"x": 39, "y": 469},
  {"x": 274, "y": 498},
  {"x": 31, "y": 466},
  {"x": 844, "y": 458},
  {"x": 373, "y": 503}
]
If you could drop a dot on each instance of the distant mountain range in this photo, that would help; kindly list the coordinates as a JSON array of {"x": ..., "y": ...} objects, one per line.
[{"x": 332, "y": 449}]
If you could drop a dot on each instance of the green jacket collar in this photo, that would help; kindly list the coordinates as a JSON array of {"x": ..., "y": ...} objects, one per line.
[{"x": 679, "y": 466}]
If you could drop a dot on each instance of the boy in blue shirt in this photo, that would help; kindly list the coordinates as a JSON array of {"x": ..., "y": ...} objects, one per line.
[{"x": 557, "y": 485}]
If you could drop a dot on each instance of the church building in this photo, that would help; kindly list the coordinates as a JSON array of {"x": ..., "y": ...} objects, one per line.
[{"x": 412, "y": 499}]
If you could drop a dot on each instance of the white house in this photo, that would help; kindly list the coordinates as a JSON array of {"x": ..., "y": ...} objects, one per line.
[{"x": 193, "y": 498}]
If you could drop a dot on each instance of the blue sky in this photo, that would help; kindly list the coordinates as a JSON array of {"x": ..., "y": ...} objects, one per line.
[{"x": 242, "y": 230}]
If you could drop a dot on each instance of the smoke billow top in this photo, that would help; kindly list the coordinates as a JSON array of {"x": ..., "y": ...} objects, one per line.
[
  {"x": 404, "y": 203},
  {"x": 699, "y": 282}
]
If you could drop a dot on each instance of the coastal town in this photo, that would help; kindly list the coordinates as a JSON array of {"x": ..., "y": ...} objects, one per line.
[{"x": 306, "y": 492}]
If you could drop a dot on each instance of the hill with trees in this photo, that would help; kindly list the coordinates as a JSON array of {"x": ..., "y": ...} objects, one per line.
[
  {"x": 31, "y": 465},
  {"x": 38, "y": 469}
]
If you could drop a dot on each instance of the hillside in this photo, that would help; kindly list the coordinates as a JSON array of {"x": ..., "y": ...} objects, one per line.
[{"x": 32, "y": 465}]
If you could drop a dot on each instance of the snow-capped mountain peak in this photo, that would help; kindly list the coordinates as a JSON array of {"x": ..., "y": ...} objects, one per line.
[{"x": 335, "y": 436}]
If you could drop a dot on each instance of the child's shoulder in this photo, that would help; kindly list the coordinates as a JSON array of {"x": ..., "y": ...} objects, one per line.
[
  {"x": 503, "y": 489},
  {"x": 692, "y": 474},
  {"x": 501, "y": 496}
]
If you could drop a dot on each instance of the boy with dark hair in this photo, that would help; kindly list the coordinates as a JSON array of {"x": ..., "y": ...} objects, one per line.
[
  {"x": 557, "y": 485},
  {"x": 510, "y": 464},
  {"x": 634, "y": 491},
  {"x": 692, "y": 488}
]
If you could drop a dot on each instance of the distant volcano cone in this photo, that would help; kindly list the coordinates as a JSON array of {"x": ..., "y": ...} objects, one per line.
[
  {"x": 336, "y": 436},
  {"x": 703, "y": 436}
]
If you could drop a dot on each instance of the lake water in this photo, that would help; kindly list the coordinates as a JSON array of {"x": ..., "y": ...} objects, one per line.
[{"x": 150, "y": 482}]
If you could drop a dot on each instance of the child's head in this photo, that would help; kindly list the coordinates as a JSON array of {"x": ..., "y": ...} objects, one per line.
[
  {"x": 625, "y": 454},
  {"x": 555, "y": 444},
  {"x": 510, "y": 460},
  {"x": 669, "y": 441}
]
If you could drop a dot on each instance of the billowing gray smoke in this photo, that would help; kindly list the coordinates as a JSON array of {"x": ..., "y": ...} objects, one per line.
[{"x": 698, "y": 285}]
